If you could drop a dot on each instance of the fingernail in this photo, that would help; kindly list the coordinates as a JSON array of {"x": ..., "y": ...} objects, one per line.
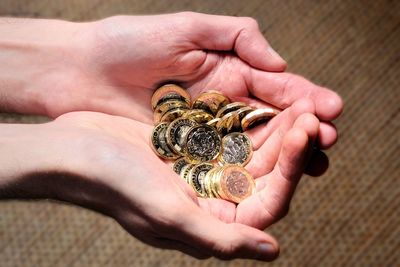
[
  {"x": 275, "y": 54},
  {"x": 266, "y": 248}
]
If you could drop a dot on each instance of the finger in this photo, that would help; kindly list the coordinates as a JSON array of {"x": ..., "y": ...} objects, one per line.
[
  {"x": 283, "y": 121},
  {"x": 226, "y": 241},
  {"x": 271, "y": 203},
  {"x": 282, "y": 89},
  {"x": 239, "y": 34},
  {"x": 166, "y": 243},
  {"x": 253, "y": 102},
  {"x": 327, "y": 135},
  {"x": 318, "y": 164},
  {"x": 265, "y": 158}
]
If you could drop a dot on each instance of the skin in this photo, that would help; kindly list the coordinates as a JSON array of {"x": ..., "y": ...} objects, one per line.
[
  {"x": 105, "y": 163},
  {"x": 124, "y": 58},
  {"x": 113, "y": 66}
]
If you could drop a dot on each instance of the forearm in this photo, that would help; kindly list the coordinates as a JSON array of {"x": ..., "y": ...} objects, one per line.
[{"x": 38, "y": 58}]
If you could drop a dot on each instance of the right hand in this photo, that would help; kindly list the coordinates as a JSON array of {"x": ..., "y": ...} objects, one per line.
[{"x": 113, "y": 66}]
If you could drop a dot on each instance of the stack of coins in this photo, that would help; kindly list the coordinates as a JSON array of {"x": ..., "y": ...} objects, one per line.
[{"x": 205, "y": 138}]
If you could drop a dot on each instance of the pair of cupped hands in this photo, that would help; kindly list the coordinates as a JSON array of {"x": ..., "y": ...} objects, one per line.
[{"x": 100, "y": 84}]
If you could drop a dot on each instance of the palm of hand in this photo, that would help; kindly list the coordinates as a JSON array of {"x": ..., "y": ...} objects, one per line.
[
  {"x": 151, "y": 182},
  {"x": 132, "y": 61},
  {"x": 159, "y": 205},
  {"x": 132, "y": 75}
]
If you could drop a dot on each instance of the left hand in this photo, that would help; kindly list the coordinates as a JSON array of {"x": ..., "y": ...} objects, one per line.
[
  {"x": 105, "y": 163},
  {"x": 159, "y": 208}
]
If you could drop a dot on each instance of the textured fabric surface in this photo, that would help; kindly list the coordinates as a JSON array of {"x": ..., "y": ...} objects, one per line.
[{"x": 348, "y": 217}]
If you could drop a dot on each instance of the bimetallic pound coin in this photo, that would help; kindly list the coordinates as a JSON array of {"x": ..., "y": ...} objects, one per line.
[
  {"x": 169, "y": 89},
  {"x": 213, "y": 122},
  {"x": 173, "y": 115},
  {"x": 179, "y": 164},
  {"x": 185, "y": 172},
  {"x": 211, "y": 181},
  {"x": 236, "y": 183},
  {"x": 258, "y": 117},
  {"x": 225, "y": 125},
  {"x": 203, "y": 143},
  {"x": 197, "y": 177},
  {"x": 159, "y": 142},
  {"x": 242, "y": 112},
  {"x": 229, "y": 108},
  {"x": 234, "y": 120},
  {"x": 170, "y": 97},
  {"x": 236, "y": 149},
  {"x": 176, "y": 133},
  {"x": 162, "y": 109},
  {"x": 211, "y": 102},
  {"x": 207, "y": 185},
  {"x": 198, "y": 115},
  {"x": 216, "y": 183}
]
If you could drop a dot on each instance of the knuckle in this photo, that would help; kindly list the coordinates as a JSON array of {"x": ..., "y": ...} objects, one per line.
[
  {"x": 188, "y": 14},
  {"x": 165, "y": 222},
  {"x": 171, "y": 221},
  {"x": 231, "y": 248},
  {"x": 186, "y": 18},
  {"x": 282, "y": 213},
  {"x": 226, "y": 252},
  {"x": 251, "y": 22},
  {"x": 276, "y": 210}
]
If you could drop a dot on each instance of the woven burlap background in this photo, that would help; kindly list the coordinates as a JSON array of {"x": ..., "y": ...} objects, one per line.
[{"x": 348, "y": 217}]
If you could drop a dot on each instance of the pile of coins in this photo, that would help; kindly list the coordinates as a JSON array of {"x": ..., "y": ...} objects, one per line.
[{"x": 205, "y": 138}]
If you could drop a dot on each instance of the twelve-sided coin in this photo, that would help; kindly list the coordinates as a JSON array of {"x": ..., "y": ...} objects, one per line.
[
  {"x": 203, "y": 143},
  {"x": 159, "y": 142},
  {"x": 236, "y": 149}
]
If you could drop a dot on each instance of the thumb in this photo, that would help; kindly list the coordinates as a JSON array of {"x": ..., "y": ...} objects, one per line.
[
  {"x": 226, "y": 241},
  {"x": 239, "y": 34}
]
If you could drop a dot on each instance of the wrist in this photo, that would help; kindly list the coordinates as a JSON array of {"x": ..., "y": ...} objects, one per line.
[
  {"x": 42, "y": 59},
  {"x": 49, "y": 161}
]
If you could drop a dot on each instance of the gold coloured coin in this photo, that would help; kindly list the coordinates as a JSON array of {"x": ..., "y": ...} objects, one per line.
[
  {"x": 171, "y": 90},
  {"x": 210, "y": 101},
  {"x": 176, "y": 133},
  {"x": 257, "y": 117},
  {"x": 171, "y": 97},
  {"x": 162, "y": 109},
  {"x": 207, "y": 187},
  {"x": 173, "y": 115},
  {"x": 242, "y": 112},
  {"x": 237, "y": 149},
  {"x": 179, "y": 164},
  {"x": 208, "y": 183},
  {"x": 236, "y": 183},
  {"x": 226, "y": 124},
  {"x": 213, "y": 122},
  {"x": 229, "y": 108},
  {"x": 198, "y": 115},
  {"x": 185, "y": 172},
  {"x": 197, "y": 177},
  {"x": 203, "y": 143},
  {"x": 234, "y": 120},
  {"x": 159, "y": 142},
  {"x": 216, "y": 182}
]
